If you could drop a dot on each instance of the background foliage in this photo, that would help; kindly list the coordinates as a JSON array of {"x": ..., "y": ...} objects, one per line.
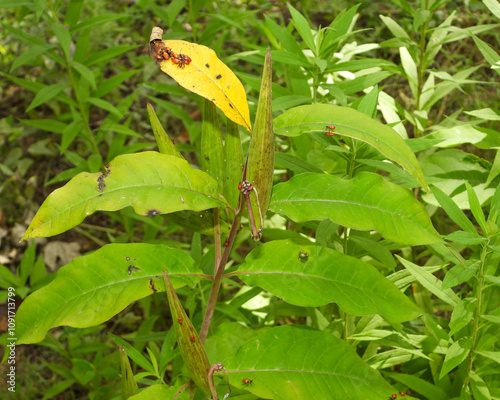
[{"x": 75, "y": 79}]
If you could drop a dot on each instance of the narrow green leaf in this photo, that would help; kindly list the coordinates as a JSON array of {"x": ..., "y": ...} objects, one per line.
[
  {"x": 295, "y": 163},
  {"x": 160, "y": 392},
  {"x": 165, "y": 144},
  {"x": 46, "y": 94},
  {"x": 86, "y": 73},
  {"x": 475, "y": 207},
  {"x": 70, "y": 132},
  {"x": 308, "y": 275},
  {"x": 105, "y": 105},
  {"x": 150, "y": 182},
  {"x": 455, "y": 355},
  {"x": 460, "y": 274},
  {"x": 26, "y": 56},
  {"x": 133, "y": 353},
  {"x": 63, "y": 36},
  {"x": 394, "y": 27},
  {"x": 73, "y": 12},
  {"x": 478, "y": 386},
  {"x": 489, "y": 54},
  {"x": 112, "y": 83},
  {"x": 492, "y": 355},
  {"x": 430, "y": 282},
  {"x": 421, "y": 386},
  {"x": 290, "y": 362},
  {"x": 212, "y": 161},
  {"x": 192, "y": 350},
  {"x": 366, "y": 202},
  {"x": 453, "y": 211},
  {"x": 108, "y": 54},
  {"x": 233, "y": 163},
  {"x": 303, "y": 28},
  {"x": 93, "y": 288},
  {"x": 27, "y": 263},
  {"x": 351, "y": 123},
  {"x": 410, "y": 68},
  {"x": 98, "y": 20},
  {"x": 462, "y": 314},
  {"x": 288, "y": 42}
]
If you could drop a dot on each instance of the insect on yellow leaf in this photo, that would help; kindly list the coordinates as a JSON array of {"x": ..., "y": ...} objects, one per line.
[{"x": 204, "y": 74}]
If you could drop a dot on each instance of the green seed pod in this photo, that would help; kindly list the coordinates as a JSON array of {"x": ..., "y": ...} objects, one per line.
[
  {"x": 192, "y": 350},
  {"x": 261, "y": 152},
  {"x": 211, "y": 144},
  {"x": 129, "y": 385},
  {"x": 165, "y": 144},
  {"x": 233, "y": 163}
]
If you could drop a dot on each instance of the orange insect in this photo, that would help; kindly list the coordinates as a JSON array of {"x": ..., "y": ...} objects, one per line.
[
  {"x": 180, "y": 320},
  {"x": 192, "y": 339},
  {"x": 331, "y": 128},
  {"x": 181, "y": 60},
  {"x": 247, "y": 381}
]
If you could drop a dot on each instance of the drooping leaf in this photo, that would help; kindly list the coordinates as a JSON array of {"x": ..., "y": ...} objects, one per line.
[
  {"x": 290, "y": 362},
  {"x": 165, "y": 144},
  {"x": 351, "y": 123},
  {"x": 150, "y": 182},
  {"x": 160, "y": 392},
  {"x": 207, "y": 76},
  {"x": 363, "y": 203},
  {"x": 93, "y": 288},
  {"x": 307, "y": 275}
]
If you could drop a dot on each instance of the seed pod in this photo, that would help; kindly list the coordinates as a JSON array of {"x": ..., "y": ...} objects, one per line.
[
  {"x": 129, "y": 385},
  {"x": 164, "y": 143},
  {"x": 192, "y": 350},
  {"x": 261, "y": 152}
]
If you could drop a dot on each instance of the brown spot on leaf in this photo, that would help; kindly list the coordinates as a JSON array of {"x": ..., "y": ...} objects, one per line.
[
  {"x": 218, "y": 76},
  {"x": 207, "y": 65},
  {"x": 152, "y": 213},
  {"x": 131, "y": 268}
]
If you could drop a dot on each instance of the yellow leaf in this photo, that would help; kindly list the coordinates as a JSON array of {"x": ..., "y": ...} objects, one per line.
[{"x": 205, "y": 75}]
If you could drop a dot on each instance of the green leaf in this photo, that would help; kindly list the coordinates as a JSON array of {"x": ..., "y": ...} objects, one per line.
[
  {"x": 303, "y": 28},
  {"x": 475, "y": 207},
  {"x": 421, "y": 386},
  {"x": 27, "y": 56},
  {"x": 478, "y": 386},
  {"x": 112, "y": 83},
  {"x": 233, "y": 165},
  {"x": 93, "y": 288},
  {"x": 351, "y": 123},
  {"x": 27, "y": 263},
  {"x": 455, "y": 355},
  {"x": 366, "y": 202},
  {"x": 98, "y": 20},
  {"x": 430, "y": 282},
  {"x": 46, "y": 94},
  {"x": 462, "y": 314},
  {"x": 453, "y": 211},
  {"x": 212, "y": 158},
  {"x": 459, "y": 274},
  {"x": 307, "y": 275},
  {"x": 105, "y": 105},
  {"x": 295, "y": 163},
  {"x": 108, "y": 54},
  {"x": 290, "y": 362},
  {"x": 160, "y": 392},
  {"x": 86, "y": 73},
  {"x": 150, "y": 182},
  {"x": 394, "y": 27},
  {"x": 63, "y": 36}
]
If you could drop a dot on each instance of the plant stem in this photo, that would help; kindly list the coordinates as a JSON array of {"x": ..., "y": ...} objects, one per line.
[
  {"x": 475, "y": 326},
  {"x": 219, "y": 269}
]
